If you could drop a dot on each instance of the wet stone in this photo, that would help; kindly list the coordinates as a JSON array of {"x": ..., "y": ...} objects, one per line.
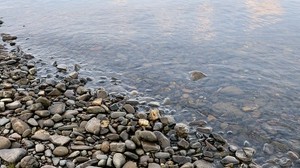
[
  {"x": 229, "y": 159},
  {"x": 196, "y": 75},
  {"x": 163, "y": 141},
  {"x": 182, "y": 130},
  {"x": 128, "y": 108},
  {"x": 183, "y": 144},
  {"x": 205, "y": 130},
  {"x": 150, "y": 147}
]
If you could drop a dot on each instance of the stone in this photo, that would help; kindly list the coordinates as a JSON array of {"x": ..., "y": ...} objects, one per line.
[
  {"x": 131, "y": 155},
  {"x": 32, "y": 122},
  {"x": 187, "y": 165},
  {"x": 57, "y": 108},
  {"x": 146, "y": 136},
  {"x": 154, "y": 114},
  {"x": 12, "y": 155},
  {"x": 196, "y": 75},
  {"x": 4, "y": 143},
  {"x": 4, "y": 121},
  {"x": 29, "y": 162},
  {"x": 117, "y": 114},
  {"x": 14, "y": 105},
  {"x": 60, "y": 151},
  {"x": 205, "y": 130},
  {"x": 117, "y": 147},
  {"x": 42, "y": 135},
  {"x": 268, "y": 149},
  {"x": 39, "y": 148},
  {"x": 105, "y": 146},
  {"x": 130, "y": 164},
  {"x": 181, "y": 159},
  {"x": 163, "y": 141},
  {"x": 229, "y": 159},
  {"x": 2, "y": 106},
  {"x": 59, "y": 139},
  {"x": 153, "y": 165},
  {"x": 162, "y": 155},
  {"x": 130, "y": 145},
  {"x": 183, "y": 144},
  {"x": 119, "y": 160},
  {"x": 143, "y": 122},
  {"x": 129, "y": 108},
  {"x": 150, "y": 147},
  {"x": 42, "y": 113},
  {"x": 81, "y": 147},
  {"x": 44, "y": 101},
  {"x": 93, "y": 126},
  {"x": 245, "y": 154},
  {"x": 95, "y": 109},
  {"x": 48, "y": 123},
  {"x": 20, "y": 126},
  {"x": 182, "y": 130},
  {"x": 203, "y": 164}
]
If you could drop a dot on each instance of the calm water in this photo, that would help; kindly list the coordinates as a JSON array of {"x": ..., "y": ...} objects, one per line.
[{"x": 249, "y": 49}]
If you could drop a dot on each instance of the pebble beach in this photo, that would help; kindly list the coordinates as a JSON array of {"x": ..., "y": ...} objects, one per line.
[{"x": 63, "y": 123}]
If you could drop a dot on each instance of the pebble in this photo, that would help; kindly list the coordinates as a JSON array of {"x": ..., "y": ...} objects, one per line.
[
  {"x": 229, "y": 159},
  {"x": 203, "y": 164},
  {"x": 4, "y": 121},
  {"x": 146, "y": 136},
  {"x": 39, "y": 148},
  {"x": 57, "y": 108},
  {"x": 196, "y": 75},
  {"x": 130, "y": 164},
  {"x": 59, "y": 139},
  {"x": 20, "y": 126},
  {"x": 182, "y": 130},
  {"x": 93, "y": 126},
  {"x": 118, "y": 160},
  {"x": 14, "y": 105},
  {"x": 29, "y": 162},
  {"x": 130, "y": 145},
  {"x": 60, "y": 151},
  {"x": 5, "y": 143},
  {"x": 117, "y": 147},
  {"x": 12, "y": 155},
  {"x": 153, "y": 165},
  {"x": 41, "y": 135}
]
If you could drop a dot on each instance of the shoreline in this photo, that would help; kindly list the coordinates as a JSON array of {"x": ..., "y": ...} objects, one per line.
[{"x": 63, "y": 123}]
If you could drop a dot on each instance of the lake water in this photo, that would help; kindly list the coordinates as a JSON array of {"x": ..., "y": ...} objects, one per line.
[{"x": 249, "y": 50}]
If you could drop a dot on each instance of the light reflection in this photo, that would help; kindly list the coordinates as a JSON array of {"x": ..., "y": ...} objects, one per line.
[
  {"x": 263, "y": 12},
  {"x": 204, "y": 30},
  {"x": 166, "y": 21}
]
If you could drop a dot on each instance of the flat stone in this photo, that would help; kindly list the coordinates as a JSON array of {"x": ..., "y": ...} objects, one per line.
[
  {"x": 146, "y": 136},
  {"x": 42, "y": 113},
  {"x": 117, "y": 114},
  {"x": 163, "y": 141},
  {"x": 117, "y": 147},
  {"x": 150, "y": 147},
  {"x": 130, "y": 164},
  {"x": 162, "y": 155},
  {"x": 57, "y": 108},
  {"x": 42, "y": 135},
  {"x": 203, "y": 164},
  {"x": 5, "y": 142},
  {"x": 95, "y": 110},
  {"x": 29, "y": 162},
  {"x": 2, "y": 106},
  {"x": 183, "y": 144},
  {"x": 119, "y": 160},
  {"x": 130, "y": 145},
  {"x": 181, "y": 159},
  {"x": 19, "y": 126},
  {"x": 60, "y": 151},
  {"x": 48, "y": 123},
  {"x": 187, "y": 165},
  {"x": 12, "y": 155},
  {"x": 59, "y": 139},
  {"x": 245, "y": 154},
  {"x": 3, "y": 121},
  {"x": 81, "y": 147},
  {"x": 93, "y": 126},
  {"x": 129, "y": 108},
  {"x": 87, "y": 163},
  {"x": 14, "y": 105},
  {"x": 44, "y": 101},
  {"x": 131, "y": 155},
  {"x": 33, "y": 122},
  {"x": 229, "y": 159},
  {"x": 39, "y": 148},
  {"x": 205, "y": 130}
]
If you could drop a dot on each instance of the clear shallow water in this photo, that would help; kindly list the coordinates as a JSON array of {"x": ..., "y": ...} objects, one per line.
[{"x": 249, "y": 50}]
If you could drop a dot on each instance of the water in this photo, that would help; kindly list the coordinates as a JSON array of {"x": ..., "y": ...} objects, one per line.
[{"x": 249, "y": 50}]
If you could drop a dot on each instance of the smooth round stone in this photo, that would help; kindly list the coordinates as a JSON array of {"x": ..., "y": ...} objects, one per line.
[
  {"x": 129, "y": 108},
  {"x": 48, "y": 123},
  {"x": 48, "y": 153},
  {"x": 42, "y": 113},
  {"x": 39, "y": 148},
  {"x": 4, "y": 143},
  {"x": 130, "y": 145},
  {"x": 60, "y": 151},
  {"x": 131, "y": 155},
  {"x": 153, "y": 165},
  {"x": 157, "y": 126},
  {"x": 203, "y": 164},
  {"x": 162, "y": 155},
  {"x": 74, "y": 154},
  {"x": 196, "y": 75},
  {"x": 19, "y": 126},
  {"x": 14, "y": 105},
  {"x": 183, "y": 144},
  {"x": 130, "y": 164},
  {"x": 59, "y": 139},
  {"x": 32, "y": 122},
  {"x": 12, "y": 155},
  {"x": 117, "y": 114},
  {"x": 41, "y": 135},
  {"x": 105, "y": 146},
  {"x": 229, "y": 159}
]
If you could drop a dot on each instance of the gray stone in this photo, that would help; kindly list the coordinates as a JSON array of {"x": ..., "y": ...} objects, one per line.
[
  {"x": 4, "y": 142},
  {"x": 150, "y": 147},
  {"x": 29, "y": 162},
  {"x": 12, "y": 155},
  {"x": 81, "y": 147},
  {"x": 203, "y": 164},
  {"x": 93, "y": 126},
  {"x": 162, "y": 155},
  {"x": 117, "y": 147},
  {"x": 117, "y": 114},
  {"x": 39, "y": 148},
  {"x": 130, "y": 145},
  {"x": 59, "y": 140},
  {"x": 196, "y": 75},
  {"x": 128, "y": 108},
  {"x": 153, "y": 165},
  {"x": 163, "y": 141},
  {"x": 60, "y": 151},
  {"x": 74, "y": 154},
  {"x": 182, "y": 130},
  {"x": 48, "y": 123},
  {"x": 229, "y": 159},
  {"x": 2, "y": 106},
  {"x": 119, "y": 160},
  {"x": 3, "y": 121},
  {"x": 14, "y": 105},
  {"x": 87, "y": 163},
  {"x": 32, "y": 122},
  {"x": 131, "y": 155},
  {"x": 57, "y": 108},
  {"x": 157, "y": 126},
  {"x": 44, "y": 101},
  {"x": 146, "y": 136},
  {"x": 181, "y": 159},
  {"x": 187, "y": 165},
  {"x": 95, "y": 109},
  {"x": 205, "y": 130},
  {"x": 183, "y": 144},
  {"x": 245, "y": 154}
]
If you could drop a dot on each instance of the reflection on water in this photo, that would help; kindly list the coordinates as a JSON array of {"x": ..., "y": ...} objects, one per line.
[
  {"x": 252, "y": 89},
  {"x": 263, "y": 12},
  {"x": 204, "y": 31}
]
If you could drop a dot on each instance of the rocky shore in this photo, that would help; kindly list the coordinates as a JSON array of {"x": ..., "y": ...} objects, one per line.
[{"x": 61, "y": 123}]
